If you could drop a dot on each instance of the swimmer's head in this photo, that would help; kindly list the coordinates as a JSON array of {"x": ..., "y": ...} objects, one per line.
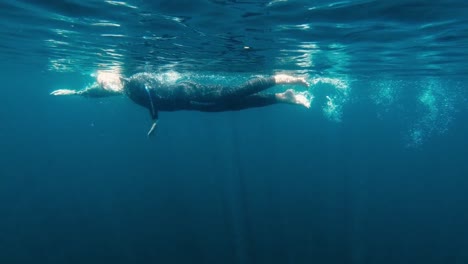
[{"x": 110, "y": 81}]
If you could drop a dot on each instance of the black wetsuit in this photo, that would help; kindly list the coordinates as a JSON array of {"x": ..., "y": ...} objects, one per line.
[{"x": 146, "y": 90}]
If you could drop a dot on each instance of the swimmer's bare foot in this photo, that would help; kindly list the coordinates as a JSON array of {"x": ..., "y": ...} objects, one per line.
[
  {"x": 287, "y": 79},
  {"x": 291, "y": 97}
]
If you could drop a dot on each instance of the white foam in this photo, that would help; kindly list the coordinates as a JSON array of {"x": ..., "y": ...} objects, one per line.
[
  {"x": 336, "y": 97},
  {"x": 110, "y": 80},
  {"x": 437, "y": 106},
  {"x": 304, "y": 98}
]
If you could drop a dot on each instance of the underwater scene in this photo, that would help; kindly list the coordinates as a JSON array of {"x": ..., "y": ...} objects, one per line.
[{"x": 234, "y": 131}]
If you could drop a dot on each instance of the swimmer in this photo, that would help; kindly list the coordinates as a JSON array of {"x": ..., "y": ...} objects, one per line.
[{"x": 148, "y": 91}]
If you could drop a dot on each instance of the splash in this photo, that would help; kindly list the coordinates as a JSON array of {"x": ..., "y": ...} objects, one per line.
[
  {"x": 336, "y": 82},
  {"x": 332, "y": 110},
  {"x": 387, "y": 93},
  {"x": 304, "y": 98},
  {"x": 168, "y": 77},
  {"x": 337, "y": 94},
  {"x": 436, "y": 108},
  {"x": 386, "y": 96},
  {"x": 110, "y": 80}
]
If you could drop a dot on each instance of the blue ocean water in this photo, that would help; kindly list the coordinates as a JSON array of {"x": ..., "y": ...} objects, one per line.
[{"x": 375, "y": 171}]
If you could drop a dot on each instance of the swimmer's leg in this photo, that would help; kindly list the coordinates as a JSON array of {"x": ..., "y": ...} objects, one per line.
[
  {"x": 216, "y": 93},
  {"x": 256, "y": 100}
]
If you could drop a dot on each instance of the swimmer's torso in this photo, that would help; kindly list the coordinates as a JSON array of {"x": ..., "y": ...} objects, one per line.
[{"x": 143, "y": 87}]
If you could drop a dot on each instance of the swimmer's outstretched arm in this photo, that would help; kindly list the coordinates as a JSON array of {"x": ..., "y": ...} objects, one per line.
[{"x": 93, "y": 91}]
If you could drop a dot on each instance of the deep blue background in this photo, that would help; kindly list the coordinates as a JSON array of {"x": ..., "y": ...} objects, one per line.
[{"x": 80, "y": 183}]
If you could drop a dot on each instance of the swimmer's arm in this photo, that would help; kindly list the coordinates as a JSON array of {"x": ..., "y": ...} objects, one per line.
[
  {"x": 153, "y": 128},
  {"x": 93, "y": 91},
  {"x": 154, "y": 118},
  {"x": 64, "y": 92}
]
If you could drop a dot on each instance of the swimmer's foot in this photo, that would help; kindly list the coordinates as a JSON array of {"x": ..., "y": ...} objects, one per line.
[
  {"x": 291, "y": 97},
  {"x": 288, "y": 79}
]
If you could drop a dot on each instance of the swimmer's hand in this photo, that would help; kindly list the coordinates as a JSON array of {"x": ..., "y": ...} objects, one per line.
[
  {"x": 64, "y": 92},
  {"x": 152, "y": 129},
  {"x": 288, "y": 79}
]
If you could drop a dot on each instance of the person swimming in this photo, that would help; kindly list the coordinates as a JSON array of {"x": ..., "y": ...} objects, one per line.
[{"x": 147, "y": 90}]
